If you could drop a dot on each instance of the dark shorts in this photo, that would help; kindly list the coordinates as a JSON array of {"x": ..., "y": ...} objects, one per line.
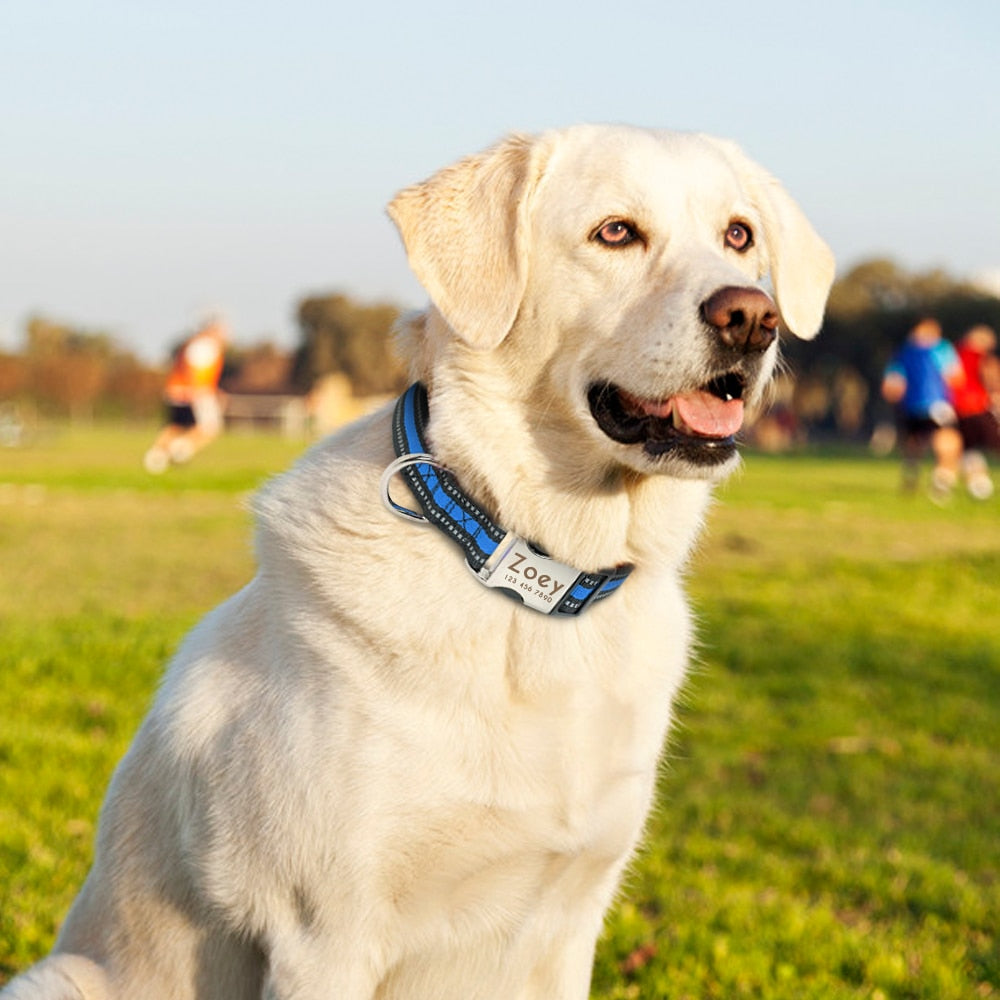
[
  {"x": 980, "y": 432},
  {"x": 918, "y": 428},
  {"x": 180, "y": 415}
]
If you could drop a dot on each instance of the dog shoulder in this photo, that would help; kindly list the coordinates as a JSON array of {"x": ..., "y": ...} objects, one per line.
[{"x": 335, "y": 482}]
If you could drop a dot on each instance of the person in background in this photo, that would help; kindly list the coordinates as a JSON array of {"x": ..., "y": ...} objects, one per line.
[
  {"x": 977, "y": 403},
  {"x": 920, "y": 381},
  {"x": 191, "y": 398}
]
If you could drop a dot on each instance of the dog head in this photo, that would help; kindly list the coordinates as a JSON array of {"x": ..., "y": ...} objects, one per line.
[{"x": 616, "y": 273}]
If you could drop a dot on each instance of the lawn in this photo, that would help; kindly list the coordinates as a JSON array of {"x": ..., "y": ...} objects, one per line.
[{"x": 828, "y": 823}]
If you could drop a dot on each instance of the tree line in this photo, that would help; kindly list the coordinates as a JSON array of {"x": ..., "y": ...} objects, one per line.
[
  {"x": 67, "y": 372},
  {"x": 831, "y": 388},
  {"x": 871, "y": 310}
]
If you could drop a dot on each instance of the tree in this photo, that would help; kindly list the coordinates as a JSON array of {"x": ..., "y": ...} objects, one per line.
[
  {"x": 131, "y": 389},
  {"x": 68, "y": 371},
  {"x": 262, "y": 367},
  {"x": 341, "y": 335},
  {"x": 13, "y": 377}
]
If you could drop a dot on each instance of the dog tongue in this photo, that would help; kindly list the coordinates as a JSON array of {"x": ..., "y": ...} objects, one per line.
[{"x": 709, "y": 416}]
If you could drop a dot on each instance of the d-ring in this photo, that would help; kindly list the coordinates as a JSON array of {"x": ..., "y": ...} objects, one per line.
[{"x": 403, "y": 462}]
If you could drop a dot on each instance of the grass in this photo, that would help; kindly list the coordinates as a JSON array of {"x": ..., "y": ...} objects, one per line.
[{"x": 828, "y": 821}]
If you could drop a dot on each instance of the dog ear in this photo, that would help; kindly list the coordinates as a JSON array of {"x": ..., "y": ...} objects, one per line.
[
  {"x": 802, "y": 265},
  {"x": 464, "y": 231}
]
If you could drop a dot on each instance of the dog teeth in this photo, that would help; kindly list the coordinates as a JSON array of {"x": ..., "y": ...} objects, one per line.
[{"x": 678, "y": 423}]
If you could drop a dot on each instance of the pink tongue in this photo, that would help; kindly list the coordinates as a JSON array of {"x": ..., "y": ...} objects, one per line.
[{"x": 708, "y": 415}]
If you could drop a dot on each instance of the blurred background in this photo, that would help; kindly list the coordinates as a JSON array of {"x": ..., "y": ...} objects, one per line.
[{"x": 163, "y": 161}]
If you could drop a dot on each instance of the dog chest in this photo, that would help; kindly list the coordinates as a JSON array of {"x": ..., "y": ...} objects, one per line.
[
  {"x": 467, "y": 869},
  {"x": 512, "y": 791}
]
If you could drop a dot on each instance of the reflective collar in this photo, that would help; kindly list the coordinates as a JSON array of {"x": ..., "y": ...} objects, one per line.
[{"x": 498, "y": 558}]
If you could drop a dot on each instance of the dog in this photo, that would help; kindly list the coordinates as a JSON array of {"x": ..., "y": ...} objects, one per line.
[{"x": 412, "y": 758}]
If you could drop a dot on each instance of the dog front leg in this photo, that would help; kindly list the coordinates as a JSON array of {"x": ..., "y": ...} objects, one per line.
[
  {"x": 60, "y": 977},
  {"x": 306, "y": 967},
  {"x": 563, "y": 971},
  {"x": 318, "y": 983}
]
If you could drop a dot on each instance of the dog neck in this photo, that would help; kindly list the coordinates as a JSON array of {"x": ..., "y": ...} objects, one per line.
[
  {"x": 498, "y": 558},
  {"x": 541, "y": 484}
]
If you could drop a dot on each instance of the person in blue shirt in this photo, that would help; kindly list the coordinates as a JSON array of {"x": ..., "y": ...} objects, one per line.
[{"x": 919, "y": 381}]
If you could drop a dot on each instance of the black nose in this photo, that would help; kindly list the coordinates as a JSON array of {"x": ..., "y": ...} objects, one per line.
[{"x": 745, "y": 319}]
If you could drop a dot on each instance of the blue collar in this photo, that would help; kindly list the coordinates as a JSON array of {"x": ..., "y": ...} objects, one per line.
[{"x": 498, "y": 558}]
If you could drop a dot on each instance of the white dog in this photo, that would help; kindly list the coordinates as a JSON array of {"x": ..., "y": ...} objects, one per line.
[{"x": 373, "y": 774}]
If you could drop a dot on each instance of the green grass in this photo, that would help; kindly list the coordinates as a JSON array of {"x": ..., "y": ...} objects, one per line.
[{"x": 829, "y": 817}]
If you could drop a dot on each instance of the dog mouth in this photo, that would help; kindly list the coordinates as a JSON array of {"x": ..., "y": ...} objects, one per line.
[{"x": 699, "y": 426}]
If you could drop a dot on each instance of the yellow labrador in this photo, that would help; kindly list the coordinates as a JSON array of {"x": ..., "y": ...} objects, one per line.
[{"x": 410, "y": 760}]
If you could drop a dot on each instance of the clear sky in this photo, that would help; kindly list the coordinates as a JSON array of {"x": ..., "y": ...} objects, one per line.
[{"x": 160, "y": 159}]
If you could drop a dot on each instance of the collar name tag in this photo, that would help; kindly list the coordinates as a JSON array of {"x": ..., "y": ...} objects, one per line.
[{"x": 540, "y": 582}]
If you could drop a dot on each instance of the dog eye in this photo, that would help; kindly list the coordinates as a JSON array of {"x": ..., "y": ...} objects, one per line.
[
  {"x": 616, "y": 234},
  {"x": 739, "y": 236}
]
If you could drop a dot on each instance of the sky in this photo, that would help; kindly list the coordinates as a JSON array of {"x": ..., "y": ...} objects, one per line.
[{"x": 163, "y": 160}]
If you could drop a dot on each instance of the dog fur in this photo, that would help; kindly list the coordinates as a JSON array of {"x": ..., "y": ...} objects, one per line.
[{"x": 366, "y": 775}]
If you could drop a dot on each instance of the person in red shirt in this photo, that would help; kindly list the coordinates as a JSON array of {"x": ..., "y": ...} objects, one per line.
[
  {"x": 977, "y": 402},
  {"x": 191, "y": 399}
]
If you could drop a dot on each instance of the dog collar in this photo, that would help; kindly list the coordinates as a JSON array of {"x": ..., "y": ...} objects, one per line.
[{"x": 498, "y": 558}]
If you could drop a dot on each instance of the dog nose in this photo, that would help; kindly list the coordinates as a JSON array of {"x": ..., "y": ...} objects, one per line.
[{"x": 744, "y": 318}]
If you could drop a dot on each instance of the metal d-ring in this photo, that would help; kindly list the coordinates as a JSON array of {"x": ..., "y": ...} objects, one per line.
[{"x": 396, "y": 466}]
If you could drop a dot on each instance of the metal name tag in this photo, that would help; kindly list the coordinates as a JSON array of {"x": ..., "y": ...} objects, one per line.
[{"x": 540, "y": 582}]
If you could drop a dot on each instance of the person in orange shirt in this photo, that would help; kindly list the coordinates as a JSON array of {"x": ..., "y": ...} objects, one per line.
[{"x": 191, "y": 398}]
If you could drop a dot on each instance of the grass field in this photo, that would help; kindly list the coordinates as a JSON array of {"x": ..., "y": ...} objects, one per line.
[{"x": 829, "y": 815}]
